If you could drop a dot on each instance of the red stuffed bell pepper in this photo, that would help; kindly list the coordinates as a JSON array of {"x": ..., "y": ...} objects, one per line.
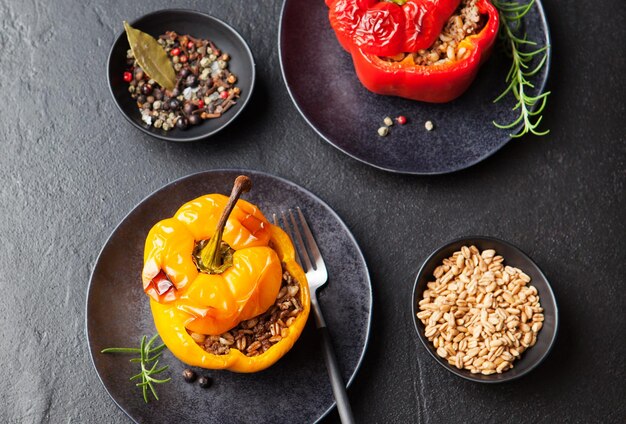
[{"x": 427, "y": 50}]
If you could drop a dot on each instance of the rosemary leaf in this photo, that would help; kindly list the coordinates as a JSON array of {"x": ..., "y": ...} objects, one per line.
[
  {"x": 148, "y": 361},
  {"x": 518, "y": 79}
]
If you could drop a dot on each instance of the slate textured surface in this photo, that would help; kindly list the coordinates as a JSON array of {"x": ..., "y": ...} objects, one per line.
[{"x": 71, "y": 168}]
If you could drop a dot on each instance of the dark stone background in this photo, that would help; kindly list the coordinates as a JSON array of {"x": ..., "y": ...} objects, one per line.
[{"x": 71, "y": 168}]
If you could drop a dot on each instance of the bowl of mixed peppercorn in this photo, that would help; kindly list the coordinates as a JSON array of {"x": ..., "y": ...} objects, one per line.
[{"x": 213, "y": 76}]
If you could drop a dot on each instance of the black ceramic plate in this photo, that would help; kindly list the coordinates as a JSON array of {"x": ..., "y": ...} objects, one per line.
[
  {"x": 513, "y": 257},
  {"x": 199, "y": 25},
  {"x": 296, "y": 388},
  {"x": 321, "y": 80}
]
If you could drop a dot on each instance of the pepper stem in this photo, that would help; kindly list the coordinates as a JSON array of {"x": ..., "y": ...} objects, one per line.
[{"x": 212, "y": 255}]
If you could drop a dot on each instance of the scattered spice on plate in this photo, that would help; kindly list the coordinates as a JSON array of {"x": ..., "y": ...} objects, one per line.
[
  {"x": 204, "y": 87},
  {"x": 401, "y": 119},
  {"x": 388, "y": 121},
  {"x": 429, "y": 125},
  {"x": 479, "y": 314},
  {"x": 189, "y": 375},
  {"x": 383, "y": 131},
  {"x": 205, "y": 382}
]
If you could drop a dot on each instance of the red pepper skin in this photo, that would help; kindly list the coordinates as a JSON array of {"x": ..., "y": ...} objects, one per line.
[
  {"x": 381, "y": 30},
  {"x": 424, "y": 21},
  {"x": 386, "y": 28},
  {"x": 435, "y": 83},
  {"x": 345, "y": 16}
]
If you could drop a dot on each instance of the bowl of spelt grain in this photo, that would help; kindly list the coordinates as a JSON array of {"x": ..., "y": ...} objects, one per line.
[{"x": 484, "y": 310}]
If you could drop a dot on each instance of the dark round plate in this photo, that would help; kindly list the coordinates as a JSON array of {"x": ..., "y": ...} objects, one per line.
[
  {"x": 321, "y": 80},
  {"x": 513, "y": 256},
  {"x": 297, "y": 387},
  {"x": 199, "y": 25}
]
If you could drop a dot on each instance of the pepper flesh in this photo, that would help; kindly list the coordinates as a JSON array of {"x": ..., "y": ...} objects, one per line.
[
  {"x": 435, "y": 83},
  {"x": 211, "y": 304},
  {"x": 387, "y": 29}
]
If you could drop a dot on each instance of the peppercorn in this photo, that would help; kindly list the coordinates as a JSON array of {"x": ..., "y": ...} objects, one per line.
[
  {"x": 401, "y": 119},
  {"x": 182, "y": 123},
  {"x": 158, "y": 94},
  {"x": 188, "y": 108},
  {"x": 190, "y": 45},
  {"x": 175, "y": 51},
  {"x": 191, "y": 81},
  {"x": 138, "y": 74},
  {"x": 146, "y": 89},
  {"x": 183, "y": 58},
  {"x": 200, "y": 104},
  {"x": 174, "y": 103},
  {"x": 224, "y": 95},
  {"x": 231, "y": 79},
  {"x": 183, "y": 73},
  {"x": 194, "y": 119},
  {"x": 189, "y": 375},
  {"x": 175, "y": 92},
  {"x": 205, "y": 382},
  {"x": 128, "y": 77},
  {"x": 141, "y": 98}
]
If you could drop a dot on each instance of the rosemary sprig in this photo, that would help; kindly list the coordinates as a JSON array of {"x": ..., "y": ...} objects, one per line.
[
  {"x": 147, "y": 355},
  {"x": 520, "y": 74}
]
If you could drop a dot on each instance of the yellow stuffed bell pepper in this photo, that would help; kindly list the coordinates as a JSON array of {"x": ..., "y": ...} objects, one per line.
[{"x": 216, "y": 263}]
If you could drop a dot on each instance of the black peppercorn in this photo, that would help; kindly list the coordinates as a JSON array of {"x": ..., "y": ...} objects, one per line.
[
  {"x": 182, "y": 123},
  {"x": 205, "y": 382},
  {"x": 191, "y": 80},
  {"x": 183, "y": 73},
  {"x": 174, "y": 104},
  {"x": 188, "y": 108},
  {"x": 141, "y": 99},
  {"x": 189, "y": 375},
  {"x": 146, "y": 89},
  {"x": 194, "y": 119},
  {"x": 158, "y": 94}
]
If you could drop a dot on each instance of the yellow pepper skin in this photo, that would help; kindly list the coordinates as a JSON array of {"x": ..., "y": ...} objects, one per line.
[{"x": 214, "y": 303}]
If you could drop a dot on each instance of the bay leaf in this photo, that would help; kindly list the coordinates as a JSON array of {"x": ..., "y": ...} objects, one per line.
[{"x": 151, "y": 57}]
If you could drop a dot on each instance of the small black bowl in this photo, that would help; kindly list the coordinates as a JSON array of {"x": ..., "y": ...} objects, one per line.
[
  {"x": 199, "y": 25},
  {"x": 513, "y": 257}
]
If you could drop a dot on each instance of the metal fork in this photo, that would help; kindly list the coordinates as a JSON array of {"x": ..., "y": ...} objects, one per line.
[{"x": 317, "y": 276}]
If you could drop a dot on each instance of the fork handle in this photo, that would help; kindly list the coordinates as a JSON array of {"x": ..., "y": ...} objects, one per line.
[{"x": 336, "y": 381}]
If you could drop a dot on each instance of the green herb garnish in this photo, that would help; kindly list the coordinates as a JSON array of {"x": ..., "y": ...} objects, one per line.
[
  {"x": 147, "y": 355},
  {"x": 520, "y": 74}
]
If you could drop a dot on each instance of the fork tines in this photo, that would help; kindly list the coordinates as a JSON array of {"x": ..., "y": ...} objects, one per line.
[{"x": 305, "y": 252}]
